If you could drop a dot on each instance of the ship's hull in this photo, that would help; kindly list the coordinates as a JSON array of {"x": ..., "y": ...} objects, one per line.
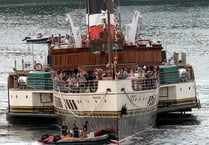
[
  {"x": 34, "y": 105},
  {"x": 123, "y": 126},
  {"x": 125, "y": 112},
  {"x": 172, "y": 98},
  {"x": 177, "y": 89}
]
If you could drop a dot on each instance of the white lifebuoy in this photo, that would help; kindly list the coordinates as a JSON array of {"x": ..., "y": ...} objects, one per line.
[{"x": 38, "y": 67}]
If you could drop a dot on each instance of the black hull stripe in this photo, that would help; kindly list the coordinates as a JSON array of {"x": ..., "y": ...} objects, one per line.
[{"x": 34, "y": 109}]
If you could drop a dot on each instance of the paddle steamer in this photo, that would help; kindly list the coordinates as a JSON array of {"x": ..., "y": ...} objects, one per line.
[
  {"x": 111, "y": 79},
  {"x": 30, "y": 95},
  {"x": 107, "y": 78}
]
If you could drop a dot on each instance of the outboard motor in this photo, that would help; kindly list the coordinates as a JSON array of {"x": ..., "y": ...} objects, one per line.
[
  {"x": 44, "y": 136},
  {"x": 26, "y": 38},
  {"x": 56, "y": 138}
]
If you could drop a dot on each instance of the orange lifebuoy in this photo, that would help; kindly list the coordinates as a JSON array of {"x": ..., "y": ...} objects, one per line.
[{"x": 38, "y": 67}]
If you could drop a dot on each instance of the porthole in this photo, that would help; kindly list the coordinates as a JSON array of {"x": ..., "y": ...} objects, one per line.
[
  {"x": 26, "y": 96},
  {"x": 189, "y": 88},
  {"x": 16, "y": 96},
  {"x": 105, "y": 101},
  {"x": 180, "y": 89},
  {"x": 96, "y": 101}
]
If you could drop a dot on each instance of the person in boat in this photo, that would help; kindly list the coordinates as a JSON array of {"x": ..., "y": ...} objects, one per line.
[
  {"x": 85, "y": 128},
  {"x": 52, "y": 39},
  {"x": 64, "y": 129},
  {"x": 75, "y": 131},
  {"x": 39, "y": 35}
]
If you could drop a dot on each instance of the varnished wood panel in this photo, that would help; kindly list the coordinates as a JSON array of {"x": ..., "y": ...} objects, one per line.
[{"x": 142, "y": 55}]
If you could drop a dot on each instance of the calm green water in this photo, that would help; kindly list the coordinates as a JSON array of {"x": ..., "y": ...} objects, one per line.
[{"x": 179, "y": 25}]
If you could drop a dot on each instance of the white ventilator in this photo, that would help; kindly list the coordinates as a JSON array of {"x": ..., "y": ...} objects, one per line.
[
  {"x": 75, "y": 31},
  {"x": 131, "y": 29}
]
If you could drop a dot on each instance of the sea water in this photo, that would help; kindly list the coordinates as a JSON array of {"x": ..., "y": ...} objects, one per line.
[{"x": 181, "y": 26}]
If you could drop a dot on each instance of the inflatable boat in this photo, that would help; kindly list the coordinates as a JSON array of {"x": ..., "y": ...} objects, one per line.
[{"x": 97, "y": 137}]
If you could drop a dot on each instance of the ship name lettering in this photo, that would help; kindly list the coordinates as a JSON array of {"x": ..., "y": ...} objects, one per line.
[
  {"x": 133, "y": 96},
  {"x": 97, "y": 97}
]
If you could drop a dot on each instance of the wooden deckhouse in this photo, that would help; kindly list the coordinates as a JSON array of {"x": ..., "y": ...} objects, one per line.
[{"x": 87, "y": 58}]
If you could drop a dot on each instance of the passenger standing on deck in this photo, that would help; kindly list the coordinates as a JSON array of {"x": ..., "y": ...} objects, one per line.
[
  {"x": 85, "y": 129},
  {"x": 75, "y": 131},
  {"x": 59, "y": 38},
  {"x": 64, "y": 129},
  {"x": 53, "y": 39},
  {"x": 115, "y": 71}
]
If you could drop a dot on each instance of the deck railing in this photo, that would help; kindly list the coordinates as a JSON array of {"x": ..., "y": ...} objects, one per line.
[
  {"x": 76, "y": 86},
  {"x": 144, "y": 84},
  {"x": 92, "y": 85},
  {"x": 84, "y": 86},
  {"x": 181, "y": 75}
]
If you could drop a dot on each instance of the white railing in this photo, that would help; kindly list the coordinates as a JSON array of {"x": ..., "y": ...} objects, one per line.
[
  {"x": 144, "y": 84},
  {"x": 76, "y": 86}
]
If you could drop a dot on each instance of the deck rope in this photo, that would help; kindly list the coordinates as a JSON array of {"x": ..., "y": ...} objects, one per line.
[{"x": 132, "y": 102}]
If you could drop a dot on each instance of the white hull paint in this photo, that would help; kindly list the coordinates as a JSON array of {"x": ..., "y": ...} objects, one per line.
[
  {"x": 103, "y": 109},
  {"x": 177, "y": 91},
  {"x": 178, "y": 97},
  {"x": 110, "y": 96},
  {"x": 27, "y": 100}
]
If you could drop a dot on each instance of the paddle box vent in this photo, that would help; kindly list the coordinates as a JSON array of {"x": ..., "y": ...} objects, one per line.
[
  {"x": 39, "y": 80},
  {"x": 169, "y": 74}
]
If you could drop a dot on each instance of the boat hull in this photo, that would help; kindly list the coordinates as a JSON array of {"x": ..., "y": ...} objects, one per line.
[
  {"x": 31, "y": 118},
  {"x": 61, "y": 140},
  {"x": 37, "y": 40},
  {"x": 123, "y": 125},
  {"x": 115, "y": 105}
]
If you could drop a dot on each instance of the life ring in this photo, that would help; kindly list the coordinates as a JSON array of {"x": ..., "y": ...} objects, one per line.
[{"x": 38, "y": 67}]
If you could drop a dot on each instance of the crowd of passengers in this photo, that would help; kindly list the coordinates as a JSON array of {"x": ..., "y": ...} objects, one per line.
[
  {"x": 141, "y": 72},
  {"x": 60, "y": 39},
  {"x": 76, "y": 81}
]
